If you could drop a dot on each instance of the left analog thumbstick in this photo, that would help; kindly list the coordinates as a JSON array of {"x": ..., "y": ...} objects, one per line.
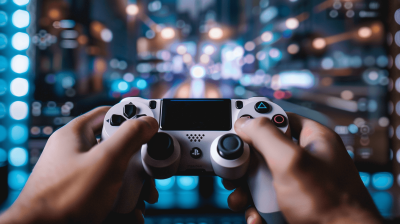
[{"x": 161, "y": 146}]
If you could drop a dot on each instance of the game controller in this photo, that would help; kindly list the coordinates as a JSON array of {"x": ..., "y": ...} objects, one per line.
[{"x": 197, "y": 137}]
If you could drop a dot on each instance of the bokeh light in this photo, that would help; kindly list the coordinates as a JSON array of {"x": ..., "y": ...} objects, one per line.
[
  {"x": 19, "y": 87},
  {"x": 21, "y": 18},
  {"x": 20, "y": 64},
  {"x": 19, "y": 110},
  {"x": 20, "y": 41},
  {"x": 216, "y": 33},
  {"x": 18, "y": 157}
]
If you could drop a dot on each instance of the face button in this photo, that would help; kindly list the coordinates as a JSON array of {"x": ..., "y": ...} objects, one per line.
[
  {"x": 262, "y": 107},
  {"x": 160, "y": 147},
  {"x": 279, "y": 120},
  {"x": 239, "y": 104},
  {"x": 152, "y": 104},
  {"x": 141, "y": 115},
  {"x": 117, "y": 120},
  {"x": 196, "y": 153},
  {"x": 230, "y": 147},
  {"x": 129, "y": 110},
  {"x": 248, "y": 116}
]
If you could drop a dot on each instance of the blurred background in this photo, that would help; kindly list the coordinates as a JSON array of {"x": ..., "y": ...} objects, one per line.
[{"x": 336, "y": 61}]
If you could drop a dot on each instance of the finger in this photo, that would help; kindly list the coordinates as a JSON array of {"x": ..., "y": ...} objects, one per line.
[
  {"x": 83, "y": 129},
  {"x": 149, "y": 191},
  {"x": 252, "y": 216},
  {"x": 239, "y": 199},
  {"x": 314, "y": 137},
  {"x": 127, "y": 140},
  {"x": 141, "y": 206},
  {"x": 91, "y": 121},
  {"x": 229, "y": 185},
  {"x": 278, "y": 150}
]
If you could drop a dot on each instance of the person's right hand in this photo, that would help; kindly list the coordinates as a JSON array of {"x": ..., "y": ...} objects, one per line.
[{"x": 315, "y": 181}]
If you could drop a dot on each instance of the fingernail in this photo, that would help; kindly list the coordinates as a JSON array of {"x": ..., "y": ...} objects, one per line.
[
  {"x": 246, "y": 123},
  {"x": 251, "y": 219}
]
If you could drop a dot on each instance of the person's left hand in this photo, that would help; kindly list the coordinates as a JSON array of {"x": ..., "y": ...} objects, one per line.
[{"x": 77, "y": 180}]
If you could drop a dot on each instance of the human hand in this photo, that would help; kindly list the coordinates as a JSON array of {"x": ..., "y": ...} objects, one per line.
[
  {"x": 315, "y": 181},
  {"x": 76, "y": 179}
]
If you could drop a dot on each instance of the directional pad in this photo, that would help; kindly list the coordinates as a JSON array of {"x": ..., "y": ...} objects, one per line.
[
  {"x": 117, "y": 120},
  {"x": 130, "y": 110}
]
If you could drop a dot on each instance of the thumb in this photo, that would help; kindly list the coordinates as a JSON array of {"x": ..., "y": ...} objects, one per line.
[
  {"x": 128, "y": 139},
  {"x": 278, "y": 150}
]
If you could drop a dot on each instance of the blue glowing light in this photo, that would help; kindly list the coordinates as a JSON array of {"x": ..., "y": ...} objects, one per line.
[
  {"x": 3, "y": 87},
  {"x": 18, "y": 134},
  {"x": 141, "y": 84},
  {"x": 19, "y": 110},
  {"x": 67, "y": 24},
  {"x": 351, "y": 154},
  {"x": 166, "y": 200},
  {"x": 240, "y": 90},
  {"x": 382, "y": 181},
  {"x": 20, "y": 41},
  {"x": 20, "y": 64},
  {"x": 18, "y": 157},
  {"x": 3, "y": 133},
  {"x": 3, "y": 18},
  {"x": 300, "y": 79},
  {"x": 188, "y": 182},
  {"x": 21, "y": 18},
  {"x": 268, "y": 14},
  {"x": 3, "y": 41},
  {"x": 384, "y": 202},
  {"x": 353, "y": 128},
  {"x": 165, "y": 184},
  {"x": 221, "y": 197},
  {"x": 17, "y": 179},
  {"x": 2, "y": 2},
  {"x": 366, "y": 178},
  {"x": 123, "y": 86},
  {"x": 188, "y": 199},
  {"x": 198, "y": 71},
  {"x": 275, "y": 54},
  {"x": 2, "y": 110},
  {"x": 3, "y": 63},
  {"x": 21, "y": 2},
  {"x": 3, "y": 157},
  {"x": 19, "y": 87}
]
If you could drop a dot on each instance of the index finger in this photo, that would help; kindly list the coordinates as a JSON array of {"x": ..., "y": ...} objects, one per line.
[
  {"x": 278, "y": 150},
  {"x": 313, "y": 136}
]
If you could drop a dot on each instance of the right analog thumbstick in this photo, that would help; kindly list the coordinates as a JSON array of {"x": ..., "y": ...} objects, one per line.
[
  {"x": 230, "y": 147},
  {"x": 161, "y": 146}
]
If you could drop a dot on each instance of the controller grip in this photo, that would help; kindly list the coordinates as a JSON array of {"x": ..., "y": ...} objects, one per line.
[
  {"x": 262, "y": 190},
  {"x": 132, "y": 185}
]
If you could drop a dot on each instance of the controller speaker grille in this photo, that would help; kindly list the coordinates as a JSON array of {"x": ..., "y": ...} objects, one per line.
[{"x": 195, "y": 137}]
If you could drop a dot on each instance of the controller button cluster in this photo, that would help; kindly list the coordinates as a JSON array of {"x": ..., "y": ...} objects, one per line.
[
  {"x": 263, "y": 107},
  {"x": 117, "y": 120}
]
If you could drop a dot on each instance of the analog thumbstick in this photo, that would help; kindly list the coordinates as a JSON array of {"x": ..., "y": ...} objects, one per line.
[
  {"x": 230, "y": 147},
  {"x": 161, "y": 146}
]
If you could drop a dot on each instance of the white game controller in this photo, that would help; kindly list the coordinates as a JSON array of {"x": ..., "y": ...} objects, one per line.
[{"x": 197, "y": 137}]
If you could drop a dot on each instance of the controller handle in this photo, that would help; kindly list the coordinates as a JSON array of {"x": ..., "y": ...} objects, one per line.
[
  {"x": 159, "y": 159},
  {"x": 132, "y": 185},
  {"x": 262, "y": 190}
]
